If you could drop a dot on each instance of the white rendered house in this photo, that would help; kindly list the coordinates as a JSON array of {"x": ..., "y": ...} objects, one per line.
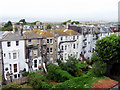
[{"x": 14, "y": 57}]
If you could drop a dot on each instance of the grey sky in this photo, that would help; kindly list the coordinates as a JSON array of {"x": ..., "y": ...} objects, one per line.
[{"x": 59, "y": 10}]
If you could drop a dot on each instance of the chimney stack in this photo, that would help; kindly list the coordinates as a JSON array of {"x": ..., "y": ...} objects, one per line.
[{"x": 14, "y": 29}]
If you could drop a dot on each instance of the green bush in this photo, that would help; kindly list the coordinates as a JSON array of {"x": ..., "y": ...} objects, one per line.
[
  {"x": 70, "y": 65},
  {"x": 99, "y": 68},
  {"x": 38, "y": 81},
  {"x": 25, "y": 74},
  {"x": 56, "y": 74},
  {"x": 11, "y": 86},
  {"x": 89, "y": 62}
]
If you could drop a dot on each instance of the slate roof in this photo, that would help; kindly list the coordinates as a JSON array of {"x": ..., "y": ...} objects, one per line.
[{"x": 16, "y": 36}]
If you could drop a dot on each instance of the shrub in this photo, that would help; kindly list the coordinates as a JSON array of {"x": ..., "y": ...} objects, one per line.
[
  {"x": 89, "y": 62},
  {"x": 25, "y": 74},
  {"x": 70, "y": 65},
  {"x": 11, "y": 86},
  {"x": 36, "y": 80},
  {"x": 55, "y": 73}
]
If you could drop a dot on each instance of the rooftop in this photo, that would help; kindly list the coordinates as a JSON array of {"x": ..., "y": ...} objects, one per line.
[
  {"x": 107, "y": 83},
  {"x": 65, "y": 32}
]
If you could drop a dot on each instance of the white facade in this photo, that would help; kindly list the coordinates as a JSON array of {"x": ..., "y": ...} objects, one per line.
[
  {"x": 90, "y": 43},
  {"x": 69, "y": 46},
  {"x": 14, "y": 58}
]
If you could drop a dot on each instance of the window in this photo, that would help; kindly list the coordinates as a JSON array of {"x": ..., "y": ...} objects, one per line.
[
  {"x": 51, "y": 59},
  {"x": 37, "y": 41},
  {"x": 30, "y": 52},
  {"x": 9, "y": 55},
  {"x": 35, "y": 52},
  {"x": 73, "y": 37},
  {"x": 8, "y": 44},
  {"x": 61, "y": 38},
  {"x": 4, "y": 54},
  {"x": 14, "y": 55},
  {"x": 35, "y": 63},
  {"x": 15, "y": 76},
  {"x": 15, "y": 68},
  {"x": 77, "y": 37},
  {"x": 51, "y": 41},
  {"x": 62, "y": 47},
  {"x": 18, "y": 75},
  {"x": 10, "y": 67},
  {"x": 76, "y": 54},
  {"x": 74, "y": 46},
  {"x": 50, "y": 49},
  {"x": 29, "y": 41},
  {"x": 17, "y": 43},
  {"x": 65, "y": 47},
  {"x": 47, "y": 50},
  {"x": 66, "y": 37},
  {"x": 47, "y": 40},
  {"x": 77, "y": 45}
]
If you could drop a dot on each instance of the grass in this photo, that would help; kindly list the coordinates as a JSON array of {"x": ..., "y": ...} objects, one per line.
[{"x": 84, "y": 81}]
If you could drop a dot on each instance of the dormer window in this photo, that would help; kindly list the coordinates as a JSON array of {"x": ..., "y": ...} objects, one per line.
[{"x": 8, "y": 44}]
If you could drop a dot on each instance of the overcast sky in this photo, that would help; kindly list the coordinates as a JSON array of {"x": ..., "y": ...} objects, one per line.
[{"x": 58, "y": 10}]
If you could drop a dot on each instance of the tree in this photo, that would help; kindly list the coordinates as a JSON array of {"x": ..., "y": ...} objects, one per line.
[
  {"x": 22, "y": 20},
  {"x": 70, "y": 65},
  {"x": 34, "y": 23},
  {"x": 64, "y": 23},
  {"x": 107, "y": 51},
  {"x": 76, "y": 22},
  {"x": 48, "y": 26},
  {"x": 8, "y": 26}
]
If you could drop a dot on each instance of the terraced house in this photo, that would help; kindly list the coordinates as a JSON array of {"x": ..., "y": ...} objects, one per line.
[
  {"x": 50, "y": 44},
  {"x": 22, "y": 51},
  {"x": 69, "y": 44}
]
